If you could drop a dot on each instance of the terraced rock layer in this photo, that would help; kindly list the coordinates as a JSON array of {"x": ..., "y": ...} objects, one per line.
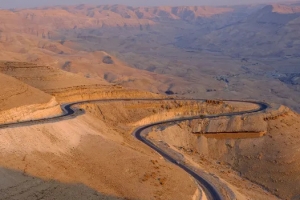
[
  {"x": 95, "y": 92},
  {"x": 265, "y": 159},
  {"x": 17, "y": 102}
]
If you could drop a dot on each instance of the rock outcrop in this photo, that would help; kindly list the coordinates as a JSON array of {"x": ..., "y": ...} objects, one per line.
[
  {"x": 255, "y": 158},
  {"x": 96, "y": 92},
  {"x": 251, "y": 123},
  {"x": 21, "y": 102},
  {"x": 30, "y": 112}
]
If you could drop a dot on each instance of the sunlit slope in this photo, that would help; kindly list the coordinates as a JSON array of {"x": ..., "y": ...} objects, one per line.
[{"x": 19, "y": 101}]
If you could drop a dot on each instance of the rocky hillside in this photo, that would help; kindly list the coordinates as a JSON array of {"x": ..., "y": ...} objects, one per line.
[
  {"x": 238, "y": 52},
  {"x": 43, "y": 77},
  {"x": 270, "y": 31},
  {"x": 47, "y": 22},
  {"x": 270, "y": 160},
  {"x": 17, "y": 104},
  {"x": 151, "y": 13},
  {"x": 262, "y": 30}
]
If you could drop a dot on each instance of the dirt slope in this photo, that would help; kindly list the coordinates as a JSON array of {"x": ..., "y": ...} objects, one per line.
[
  {"x": 19, "y": 102},
  {"x": 15, "y": 94},
  {"x": 92, "y": 152},
  {"x": 44, "y": 77},
  {"x": 270, "y": 160},
  {"x": 45, "y": 22}
]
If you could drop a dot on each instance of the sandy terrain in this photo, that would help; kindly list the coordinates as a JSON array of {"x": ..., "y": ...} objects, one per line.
[
  {"x": 267, "y": 155},
  {"x": 13, "y": 91},
  {"x": 74, "y": 53},
  {"x": 17, "y": 102},
  {"x": 92, "y": 141},
  {"x": 17, "y": 185},
  {"x": 46, "y": 151},
  {"x": 44, "y": 77},
  {"x": 164, "y": 42}
]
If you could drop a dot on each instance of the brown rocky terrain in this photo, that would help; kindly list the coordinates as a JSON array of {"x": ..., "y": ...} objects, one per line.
[
  {"x": 91, "y": 142},
  {"x": 41, "y": 151},
  {"x": 198, "y": 51},
  {"x": 253, "y": 33},
  {"x": 46, "y": 22},
  {"x": 17, "y": 104},
  {"x": 48, "y": 151},
  {"x": 66, "y": 54},
  {"x": 68, "y": 87},
  {"x": 43, "y": 77},
  {"x": 275, "y": 169}
]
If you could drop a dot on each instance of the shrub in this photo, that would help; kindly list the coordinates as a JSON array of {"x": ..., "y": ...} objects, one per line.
[
  {"x": 169, "y": 92},
  {"x": 107, "y": 60}
]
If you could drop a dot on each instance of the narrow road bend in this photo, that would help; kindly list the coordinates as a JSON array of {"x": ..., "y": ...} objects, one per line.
[{"x": 211, "y": 192}]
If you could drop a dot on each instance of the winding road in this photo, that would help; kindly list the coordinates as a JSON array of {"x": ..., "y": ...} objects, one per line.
[{"x": 211, "y": 192}]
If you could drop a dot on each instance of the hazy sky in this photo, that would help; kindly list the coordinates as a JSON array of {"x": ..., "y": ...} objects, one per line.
[{"x": 34, "y": 3}]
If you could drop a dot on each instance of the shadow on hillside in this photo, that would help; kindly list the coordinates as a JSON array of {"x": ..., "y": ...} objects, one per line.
[{"x": 16, "y": 185}]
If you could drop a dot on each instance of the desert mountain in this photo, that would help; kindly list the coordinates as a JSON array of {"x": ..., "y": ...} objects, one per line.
[
  {"x": 47, "y": 22},
  {"x": 285, "y": 9},
  {"x": 43, "y": 77},
  {"x": 151, "y": 13},
  {"x": 69, "y": 54},
  {"x": 11, "y": 96},
  {"x": 251, "y": 36},
  {"x": 197, "y": 51},
  {"x": 52, "y": 22},
  {"x": 17, "y": 104},
  {"x": 220, "y": 29}
]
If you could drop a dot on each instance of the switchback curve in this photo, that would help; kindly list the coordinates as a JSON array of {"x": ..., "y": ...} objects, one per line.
[{"x": 210, "y": 191}]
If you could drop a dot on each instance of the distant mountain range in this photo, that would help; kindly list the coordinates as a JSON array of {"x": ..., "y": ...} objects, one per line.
[
  {"x": 195, "y": 49},
  {"x": 256, "y": 30}
]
